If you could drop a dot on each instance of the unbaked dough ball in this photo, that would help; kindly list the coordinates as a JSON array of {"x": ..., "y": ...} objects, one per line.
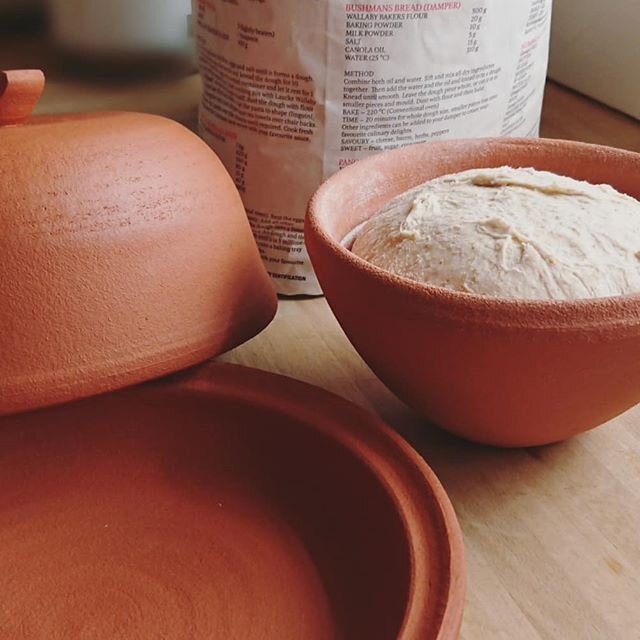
[{"x": 510, "y": 233}]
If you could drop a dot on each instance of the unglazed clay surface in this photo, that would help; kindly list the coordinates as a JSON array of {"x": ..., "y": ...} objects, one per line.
[
  {"x": 201, "y": 507},
  {"x": 494, "y": 370},
  {"x": 125, "y": 254},
  {"x": 19, "y": 92}
]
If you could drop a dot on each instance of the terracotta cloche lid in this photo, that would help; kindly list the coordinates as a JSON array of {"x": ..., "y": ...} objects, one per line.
[{"x": 125, "y": 251}]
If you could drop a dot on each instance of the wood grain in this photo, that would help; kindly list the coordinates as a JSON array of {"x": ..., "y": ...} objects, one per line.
[
  {"x": 569, "y": 115},
  {"x": 551, "y": 534}
]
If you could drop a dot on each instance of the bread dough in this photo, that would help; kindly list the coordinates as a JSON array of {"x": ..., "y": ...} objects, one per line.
[{"x": 509, "y": 233}]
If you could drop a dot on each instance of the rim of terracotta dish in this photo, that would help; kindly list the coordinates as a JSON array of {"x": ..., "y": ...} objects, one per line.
[
  {"x": 412, "y": 486},
  {"x": 595, "y": 314}
]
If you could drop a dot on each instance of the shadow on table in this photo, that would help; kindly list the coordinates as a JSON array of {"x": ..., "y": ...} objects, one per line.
[{"x": 471, "y": 472}]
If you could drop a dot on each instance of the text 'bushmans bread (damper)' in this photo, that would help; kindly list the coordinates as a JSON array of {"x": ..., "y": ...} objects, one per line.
[{"x": 294, "y": 91}]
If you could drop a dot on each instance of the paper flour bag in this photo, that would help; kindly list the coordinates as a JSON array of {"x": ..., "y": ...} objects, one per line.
[{"x": 296, "y": 89}]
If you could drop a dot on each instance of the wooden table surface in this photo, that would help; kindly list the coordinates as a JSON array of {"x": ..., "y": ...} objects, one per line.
[{"x": 552, "y": 534}]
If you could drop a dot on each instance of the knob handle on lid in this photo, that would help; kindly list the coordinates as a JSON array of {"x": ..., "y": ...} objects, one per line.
[{"x": 19, "y": 94}]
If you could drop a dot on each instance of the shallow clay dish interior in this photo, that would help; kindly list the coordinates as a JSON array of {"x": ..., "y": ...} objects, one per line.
[
  {"x": 125, "y": 252},
  {"x": 225, "y": 503},
  {"x": 498, "y": 371}
]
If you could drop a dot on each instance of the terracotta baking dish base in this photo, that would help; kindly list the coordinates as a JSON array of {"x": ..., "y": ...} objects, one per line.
[{"x": 223, "y": 503}]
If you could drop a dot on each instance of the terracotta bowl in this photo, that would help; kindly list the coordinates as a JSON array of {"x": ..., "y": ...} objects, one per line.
[
  {"x": 497, "y": 371},
  {"x": 125, "y": 252},
  {"x": 226, "y": 503}
]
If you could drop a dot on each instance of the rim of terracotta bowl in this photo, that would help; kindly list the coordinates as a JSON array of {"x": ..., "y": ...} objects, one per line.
[
  {"x": 604, "y": 314},
  {"x": 436, "y": 592}
]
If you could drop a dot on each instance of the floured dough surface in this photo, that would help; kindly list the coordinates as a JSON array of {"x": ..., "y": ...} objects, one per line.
[{"x": 510, "y": 233}]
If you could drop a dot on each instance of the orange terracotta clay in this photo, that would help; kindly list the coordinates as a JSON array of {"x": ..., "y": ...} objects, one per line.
[
  {"x": 227, "y": 503},
  {"x": 125, "y": 252},
  {"x": 503, "y": 372},
  {"x": 20, "y": 91}
]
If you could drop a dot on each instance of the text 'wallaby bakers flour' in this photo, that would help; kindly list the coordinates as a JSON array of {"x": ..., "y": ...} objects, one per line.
[{"x": 296, "y": 89}]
